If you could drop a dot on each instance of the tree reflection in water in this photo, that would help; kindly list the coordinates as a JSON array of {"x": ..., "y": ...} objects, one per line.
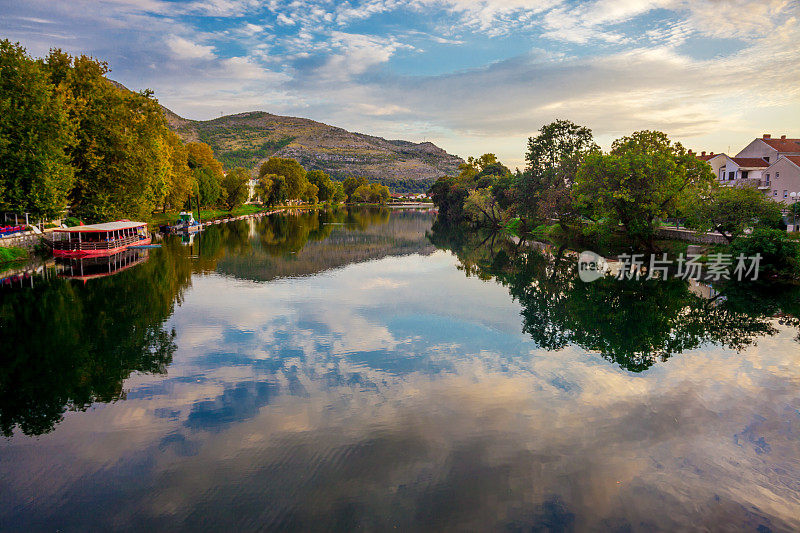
[
  {"x": 633, "y": 323},
  {"x": 68, "y": 344},
  {"x": 73, "y": 344}
]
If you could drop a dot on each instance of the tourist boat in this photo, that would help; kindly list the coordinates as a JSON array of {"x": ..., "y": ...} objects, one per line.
[
  {"x": 186, "y": 224},
  {"x": 99, "y": 239}
]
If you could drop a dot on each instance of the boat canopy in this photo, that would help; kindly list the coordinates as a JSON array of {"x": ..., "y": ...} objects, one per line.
[{"x": 104, "y": 227}]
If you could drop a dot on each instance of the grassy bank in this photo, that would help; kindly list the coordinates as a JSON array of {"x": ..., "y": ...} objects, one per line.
[{"x": 12, "y": 253}]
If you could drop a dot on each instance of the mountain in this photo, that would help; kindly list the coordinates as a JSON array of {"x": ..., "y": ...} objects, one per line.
[{"x": 247, "y": 139}]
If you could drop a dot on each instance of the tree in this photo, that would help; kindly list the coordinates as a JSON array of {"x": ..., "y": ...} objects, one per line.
[
  {"x": 120, "y": 156},
  {"x": 207, "y": 172},
  {"x": 642, "y": 180},
  {"x": 475, "y": 166},
  {"x": 264, "y": 188},
  {"x": 292, "y": 172},
  {"x": 236, "y": 185},
  {"x": 277, "y": 193},
  {"x": 361, "y": 195},
  {"x": 339, "y": 195},
  {"x": 449, "y": 194},
  {"x": 482, "y": 209},
  {"x": 352, "y": 183},
  {"x": 731, "y": 210},
  {"x": 179, "y": 176},
  {"x": 200, "y": 155},
  {"x": 325, "y": 186},
  {"x": 379, "y": 194},
  {"x": 543, "y": 190},
  {"x": 36, "y": 135},
  {"x": 780, "y": 256},
  {"x": 310, "y": 194}
]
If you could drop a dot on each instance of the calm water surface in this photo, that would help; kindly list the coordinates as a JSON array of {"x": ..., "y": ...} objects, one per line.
[{"x": 363, "y": 370}]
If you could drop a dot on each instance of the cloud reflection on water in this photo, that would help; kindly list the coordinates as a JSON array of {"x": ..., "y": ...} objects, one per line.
[{"x": 318, "y": 403}]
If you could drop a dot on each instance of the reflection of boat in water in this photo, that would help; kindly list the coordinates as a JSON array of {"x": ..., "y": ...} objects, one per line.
[
  {"x": 99, "y": 239},
  {"x": 185, "y": 225},
  {"x": 86, "y": 268}
]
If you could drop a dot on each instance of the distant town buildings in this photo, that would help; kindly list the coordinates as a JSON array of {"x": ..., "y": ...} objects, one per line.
[{"x": 771, "y": 164}]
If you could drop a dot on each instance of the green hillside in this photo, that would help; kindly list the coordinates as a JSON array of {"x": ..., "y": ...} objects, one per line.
[{"x": 247, "y": 139}]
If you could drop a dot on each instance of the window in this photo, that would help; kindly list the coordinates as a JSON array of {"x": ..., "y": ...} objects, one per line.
[
  {"x": 766, "y": 178},
  {"x": 731, "y": 175},
  {"x": 774, "y": 192},
  {"x": 744, "y": 174},
  {"x": 766, "y": 159},
  {"x": 785, "y": 193},
  {"x": 777, "y": 175}
]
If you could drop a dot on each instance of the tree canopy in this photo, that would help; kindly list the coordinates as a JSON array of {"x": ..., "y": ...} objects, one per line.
[
  {"x": 292, "y": 173},
  {"x": 642, "y": 180},
  {"x": 68, "y": 135},
  {"x": 236, "y": 187},
  {"x": 36, "y": 136},
  {"x": 731, "y": 210},
  {"x": 544, "y": 190}
]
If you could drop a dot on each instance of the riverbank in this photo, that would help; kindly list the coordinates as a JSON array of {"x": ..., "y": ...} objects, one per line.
[
  {"x": 159, "y": 219},
  {"x": 12, "y": 253},
  {"x": 210, "y": 216}
]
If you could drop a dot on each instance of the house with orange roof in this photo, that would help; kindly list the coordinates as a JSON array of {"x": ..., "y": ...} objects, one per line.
[
  {"x": 771, "y": 164},
  {"x": 769, "y": 149}
]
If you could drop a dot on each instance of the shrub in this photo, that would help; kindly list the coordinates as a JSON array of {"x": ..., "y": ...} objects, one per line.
[
  {"x": 71, "y": 221},
  {"x": 780, "y": 256}
]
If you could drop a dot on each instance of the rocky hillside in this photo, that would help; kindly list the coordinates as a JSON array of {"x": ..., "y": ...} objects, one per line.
[{"x": 247, "y": 139}]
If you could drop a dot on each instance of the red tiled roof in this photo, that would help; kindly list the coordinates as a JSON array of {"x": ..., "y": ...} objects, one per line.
[
  {"x": 706, "y": 157},
  {"x": 784, "y": 145},
  {"x": 794, "y": 159},
  {"x": 750, "y": 162}
]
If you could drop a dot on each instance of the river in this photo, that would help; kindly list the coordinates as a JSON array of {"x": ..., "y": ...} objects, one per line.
[{"x": 366, "y": 369}]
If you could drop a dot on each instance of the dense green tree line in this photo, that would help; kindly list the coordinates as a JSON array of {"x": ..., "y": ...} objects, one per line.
[
  {"x": 282, "y": 180},
  {"x": 644, "y": 180},
  {"x": 69, "y": 137}
]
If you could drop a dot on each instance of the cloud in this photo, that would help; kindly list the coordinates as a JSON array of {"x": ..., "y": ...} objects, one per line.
[
  {"x": 185, "y": 49},
  {"x": 286, "y": 21},
  {"x": 474, "y": 75}
]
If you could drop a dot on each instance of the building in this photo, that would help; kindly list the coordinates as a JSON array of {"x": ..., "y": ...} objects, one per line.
[
  {"x": 716, "y": 161},
  {"x": 769, "y": 149},
  {"x": 251, "y": 190},
  {"x": 783, "y": 178},
  {"x": 741, "y": 170},
  {"x": 772, "y": 165}
]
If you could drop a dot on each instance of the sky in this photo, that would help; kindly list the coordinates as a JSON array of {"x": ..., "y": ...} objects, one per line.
[{"x": 472, "y": 76}]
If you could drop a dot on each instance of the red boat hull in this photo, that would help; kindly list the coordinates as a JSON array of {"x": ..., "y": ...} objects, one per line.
[{"x": 98, "y": 253}]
